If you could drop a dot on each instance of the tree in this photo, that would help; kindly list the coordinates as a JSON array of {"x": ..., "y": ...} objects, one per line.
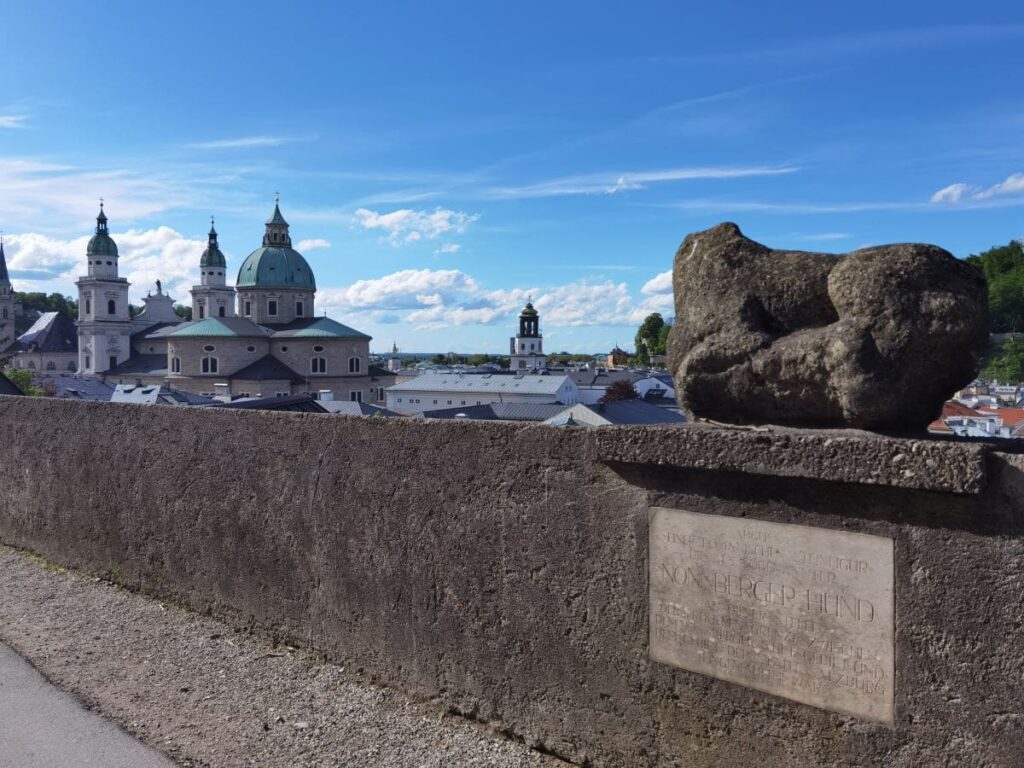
[
  {"x": 651, "y": 338},
  {"x": 1003, "y": 267},
  {"x": 25, "y": 381},
  {"x": 36, "y": 301},
  {"x": 185, "y": 313},
  {"x": 622, "y": 389},
  {"x": 1007, "y": 366}
]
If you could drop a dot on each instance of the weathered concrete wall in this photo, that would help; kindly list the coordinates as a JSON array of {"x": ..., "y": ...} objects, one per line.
[{"x": 503, "y": 568}]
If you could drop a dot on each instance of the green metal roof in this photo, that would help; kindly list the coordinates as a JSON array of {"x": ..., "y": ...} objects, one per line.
[
  {"x": 101, "y": 244},
  {"x": 273, "y": 267},
  {"x": 220, "y": 326},
  {"x": 212, "y": 256},
  {"x": 277, "y": 218},
  {"x": 318, "y": 327}
]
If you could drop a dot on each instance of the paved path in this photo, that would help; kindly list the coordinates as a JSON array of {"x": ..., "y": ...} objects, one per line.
[
  {"x": 43, "y": 727},
  {"x": 205, "y": 694}
]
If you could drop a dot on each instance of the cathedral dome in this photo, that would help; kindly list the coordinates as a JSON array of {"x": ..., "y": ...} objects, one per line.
[
  {"x": 276, "y": 264},
  {"x": 275, "y": 267}
]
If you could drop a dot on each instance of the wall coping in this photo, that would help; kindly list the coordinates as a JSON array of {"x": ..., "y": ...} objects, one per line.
[{"x": 846, "y": 456}]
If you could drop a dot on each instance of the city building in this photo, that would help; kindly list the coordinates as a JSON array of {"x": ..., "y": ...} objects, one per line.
[
  {"x": 527, "y": 347},
  {"x": 260, "y": 338},
  {"x": 49, "y": 347},
  {"x": 7, "y": 334},
  {"x": 616, "y": 412},
  {"x": 435, "y": 391}
]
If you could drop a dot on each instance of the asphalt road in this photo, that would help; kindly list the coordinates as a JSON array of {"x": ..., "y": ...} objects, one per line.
[{"x": 43, "y": 727}]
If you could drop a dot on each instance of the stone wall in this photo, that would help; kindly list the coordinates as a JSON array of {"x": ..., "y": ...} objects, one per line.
[{"x": 502, "y": 568}]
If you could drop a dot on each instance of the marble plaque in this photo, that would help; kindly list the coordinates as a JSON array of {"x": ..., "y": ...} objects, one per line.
[{"x": 796, "y": 611}]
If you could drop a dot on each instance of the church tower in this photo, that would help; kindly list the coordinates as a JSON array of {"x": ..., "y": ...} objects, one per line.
[
  {"x": 527, "y": 348},
  {"x": 104, "y": 318},
  {"x": 212, "y": 297},
  {"x": 7, "y": 335}
]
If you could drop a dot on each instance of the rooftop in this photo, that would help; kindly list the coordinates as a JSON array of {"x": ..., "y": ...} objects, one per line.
[{"x": 530, "y": 384}]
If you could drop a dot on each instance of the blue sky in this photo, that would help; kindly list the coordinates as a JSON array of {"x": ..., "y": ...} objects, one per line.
[{"x": 441, "y": 162}]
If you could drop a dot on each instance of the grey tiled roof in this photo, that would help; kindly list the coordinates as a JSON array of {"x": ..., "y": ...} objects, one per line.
[
  {"x": 267, "y": 368},
  {"x": 8, "y": 387},
  {"x": 81, "y": 388},
  {"x": 636, "y": 412},
  {"x": 141, "y": 365},
  {"x": 483, "y": 384},
  {"x": 52, "y": 332}
]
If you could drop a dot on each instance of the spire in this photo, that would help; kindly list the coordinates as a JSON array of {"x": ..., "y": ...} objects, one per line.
[
  {"x": 212, "y": 256},
  {"x": 213, "y": 232},
  {"x": 4, "y": 277},
  {"x": 101, "y": 221},
  {"x": 277, "y": 228}
]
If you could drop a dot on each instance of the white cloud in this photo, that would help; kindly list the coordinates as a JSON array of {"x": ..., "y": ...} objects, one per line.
[
  {"x": 248, "y": 142},
  {"x": 449, "y": 248},
  {"x": 402, "y": 290},
  {"x": 312, "y": 245},
  {"x": 661, "y": 283},
  {"x": 13, "y": 121},
  {"x": 145, "y": 256},
  {"x": 407, "y": 226},
  {"x": 38, "y": 193},
  {"x": 1013, "y": 184},
  {"x": 613, "y": 182},
  {"x": 959, "y": 193},
  {"x": 951, "y": 194}
]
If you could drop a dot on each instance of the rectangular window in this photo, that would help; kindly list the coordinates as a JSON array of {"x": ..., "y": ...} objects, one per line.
[
  {"x": 88, "y": 307},
  {"x": 87, "y": 362},
  {"x": 299, "y": 309},
  {"x": 202, "y": 312},
  {"x": 357, "y": 397},
  {"x": 248, "y": 308},
  {"x": 113, "y": 361},
  {"x": 272, "y": 308},
  {"x": 282, "y": 394}
]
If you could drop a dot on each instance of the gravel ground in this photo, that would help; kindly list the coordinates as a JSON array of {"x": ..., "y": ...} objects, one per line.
[{"x": 207, "y": 695}]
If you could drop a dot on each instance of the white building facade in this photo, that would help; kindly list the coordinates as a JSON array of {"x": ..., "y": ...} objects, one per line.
[{"x": 431, "y": 392}]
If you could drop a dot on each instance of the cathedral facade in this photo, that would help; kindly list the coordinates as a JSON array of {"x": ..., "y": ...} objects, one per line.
[{"x": 260, "y": 338}]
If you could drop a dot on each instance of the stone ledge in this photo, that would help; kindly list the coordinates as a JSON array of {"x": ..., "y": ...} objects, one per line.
[{"x": 846, "y": 456}]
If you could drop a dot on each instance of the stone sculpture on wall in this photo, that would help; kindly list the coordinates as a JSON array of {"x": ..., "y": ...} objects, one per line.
[{"x": 877, "y": 338}]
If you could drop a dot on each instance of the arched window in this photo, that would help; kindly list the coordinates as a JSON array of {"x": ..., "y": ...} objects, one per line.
[
  {"x": 31, "y": 365},
  {"x": 353, "y": 365},
  {"x": 88, "y": 307},
  {"x": 202, "y": 311},
  {"x": 319, "y": 365},
  {"x": 175, "y": 365},
  {"x": 222, "y": 312},
  {"x": 209, "y": 365},
  {"x": 51, "y": 366},
  {"x": 111, "y": 307},
  {"x": 72, "y": 366}
]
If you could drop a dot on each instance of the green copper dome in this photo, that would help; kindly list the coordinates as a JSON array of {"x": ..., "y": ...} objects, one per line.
[
  {"x": 101, "y": 244},
  {"x": 212, "y": 256},
  {"x": 276, "y": 264},
  {"x": 268, "y": 267}
]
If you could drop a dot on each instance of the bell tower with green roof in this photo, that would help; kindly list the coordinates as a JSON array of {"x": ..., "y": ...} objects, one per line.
[
  {"x": 104, "y": 318},
  {"x": 527, "y": 347},
  {"x": 212, "y": 297}
]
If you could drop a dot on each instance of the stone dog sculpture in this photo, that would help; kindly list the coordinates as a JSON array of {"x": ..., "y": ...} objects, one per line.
[{"x": 877, "y": 338}]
